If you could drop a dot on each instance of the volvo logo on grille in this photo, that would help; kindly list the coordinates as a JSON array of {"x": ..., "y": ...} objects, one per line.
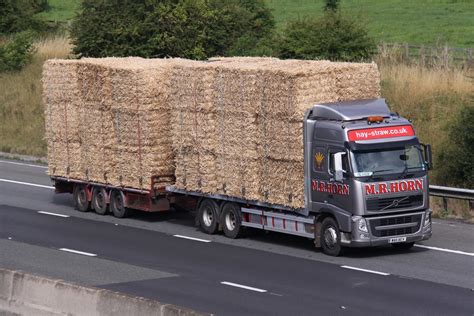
[{"x": 394, "y": 203}]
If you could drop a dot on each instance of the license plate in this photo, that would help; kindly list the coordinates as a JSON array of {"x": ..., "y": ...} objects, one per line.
[{"x": 397, "y": 239}]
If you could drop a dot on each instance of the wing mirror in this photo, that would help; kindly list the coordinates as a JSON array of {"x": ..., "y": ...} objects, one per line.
[
  {"x": 428, "y": 157},
  {"x": 338, "y": 171}
]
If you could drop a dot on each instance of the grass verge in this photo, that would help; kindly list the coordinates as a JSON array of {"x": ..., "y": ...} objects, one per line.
[
  {"x": 21, "y": 107},
  {"x": 431, "y": 98}
]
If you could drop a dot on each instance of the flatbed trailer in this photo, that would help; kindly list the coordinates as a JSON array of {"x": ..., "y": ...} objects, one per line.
[{"x": 100, "y": 197}]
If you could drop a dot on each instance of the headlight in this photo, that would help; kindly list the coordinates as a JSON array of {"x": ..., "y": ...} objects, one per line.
[
  {"x": 361, "y": 223},
  {"x": 427, "y": 218}
]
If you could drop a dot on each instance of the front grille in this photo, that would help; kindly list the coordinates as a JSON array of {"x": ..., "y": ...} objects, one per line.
[
  {"x": 388, "y": 203},
  {"x": 395, "y": 231}
]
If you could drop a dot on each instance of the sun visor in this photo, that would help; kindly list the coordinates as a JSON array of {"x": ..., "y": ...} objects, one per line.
[{"x": 357, "y": 146}]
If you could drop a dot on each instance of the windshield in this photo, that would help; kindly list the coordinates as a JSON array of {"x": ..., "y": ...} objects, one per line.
[{"x": 393, "y": 160}]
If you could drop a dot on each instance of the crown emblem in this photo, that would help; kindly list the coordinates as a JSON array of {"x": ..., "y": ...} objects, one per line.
[{"x": 319, "y": 157}]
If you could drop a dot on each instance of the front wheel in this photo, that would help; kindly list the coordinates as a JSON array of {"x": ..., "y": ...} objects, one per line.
[{"x": 330, "y": 237}]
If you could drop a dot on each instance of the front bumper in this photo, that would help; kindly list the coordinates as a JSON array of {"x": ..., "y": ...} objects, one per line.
[{"x": 381, "y": 230}]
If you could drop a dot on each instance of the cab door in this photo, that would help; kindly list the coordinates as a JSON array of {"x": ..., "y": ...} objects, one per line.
[
  {"x": 319, "y": 173},
  {"x": 339, "y": 193}
]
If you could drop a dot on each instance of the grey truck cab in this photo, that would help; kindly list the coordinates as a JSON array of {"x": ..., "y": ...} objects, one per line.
[{"x": 365, "y": 167}]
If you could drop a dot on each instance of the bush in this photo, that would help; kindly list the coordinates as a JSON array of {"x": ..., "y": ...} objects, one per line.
[
  {"x": 16, "y": 53},
  {"x": 194, "y": 29},
  {"x": 19, "y": 15},
  {"x": 456, "y": 159},
  {"x": 39, "y": 5},
  {"x": 333, "y": 36}
]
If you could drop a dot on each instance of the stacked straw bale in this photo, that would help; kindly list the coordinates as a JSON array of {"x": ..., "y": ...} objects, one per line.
[
  {"x": 231, "y": 126},
  {"x": 238, "y": 122},
  {"x": 108, "y": 120}
]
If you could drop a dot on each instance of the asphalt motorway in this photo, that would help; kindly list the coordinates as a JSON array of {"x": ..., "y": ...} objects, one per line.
[{"x": 155, "y": 256}]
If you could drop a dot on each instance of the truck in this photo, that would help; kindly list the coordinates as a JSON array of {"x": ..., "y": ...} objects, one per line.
[{"x": 365, "y": 183}]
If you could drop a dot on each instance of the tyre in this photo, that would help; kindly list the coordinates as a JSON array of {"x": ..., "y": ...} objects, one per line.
[
  {"x": 117, "y": 204},
  {"x": 403, "y": 246},
  {"x": 330, "y": 237},
  {"x": 99, "y": 201},
  {"x": 81, "y": 202},
  {"x": 207, "y": 216},
  {"x": 231, "y": 220}
]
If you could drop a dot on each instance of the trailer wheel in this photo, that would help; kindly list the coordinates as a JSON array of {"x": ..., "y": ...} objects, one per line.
[
  {"x": 330, "y": 237},
  {"x": 117, "y": 204},
  {"x": 404, "y": 246},
  {"x": 231, "y": 220},
  {"x": 207, "y": 216},
  {"x": 99, "y": 201},
  {"x": 81, "y": 201}
]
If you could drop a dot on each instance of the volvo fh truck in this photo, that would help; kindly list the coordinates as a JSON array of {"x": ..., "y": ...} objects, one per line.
[{"x": 365, "y": 183}]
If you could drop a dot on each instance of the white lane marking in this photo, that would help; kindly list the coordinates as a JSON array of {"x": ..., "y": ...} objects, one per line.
[
  {"x": 471, "y": 254},
  {"x": 244, "y": 287},
  {"x": 26, "y": 183},
  {"x": 23, "y": 164},
  {"x": 365, "y": 270},
  {"x": 192, "y": 238},
  {"x": 78, "y": 252},
  {"x": 53, "y": 214}
]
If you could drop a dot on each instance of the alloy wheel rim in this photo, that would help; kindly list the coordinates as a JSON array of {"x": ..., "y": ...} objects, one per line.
[
  {"x": 208, "y": 217},
  {"x": 230, "y": 221},
  {"x": 330, "y": 237}
]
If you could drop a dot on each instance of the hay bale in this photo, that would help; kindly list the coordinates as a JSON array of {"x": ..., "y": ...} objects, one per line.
[
  {"x": 248, "y": 114},
  {"x": 108, "y": 120},
  {"x": 230, "y": 126}
]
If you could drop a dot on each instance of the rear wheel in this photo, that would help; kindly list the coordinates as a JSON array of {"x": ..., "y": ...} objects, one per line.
[
  {"x": 207, "y": 216},
  {"x": 117, "y": 204},
  {"x": 81, "y": 201},
  {"x": 330, "y": 237},
  {"x": 99, "y": 200},
  {"x": 403, "y": 246},
  {"x": 231, "y": 220}
]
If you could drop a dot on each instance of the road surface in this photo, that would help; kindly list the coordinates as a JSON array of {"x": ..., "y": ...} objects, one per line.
[{"x": 165, "y": 257}]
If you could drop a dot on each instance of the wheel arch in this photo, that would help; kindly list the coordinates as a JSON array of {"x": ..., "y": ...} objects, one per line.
[{"x": 342, "y": 218}]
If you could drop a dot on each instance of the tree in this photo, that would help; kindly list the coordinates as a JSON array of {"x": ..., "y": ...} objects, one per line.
[
  {"x": 456, "y": 159},
  {"x": 19, "y": 15},
  {"x": 194, "y": 29},
  {"x": 333, "y": 36},
  {"x": 16, "y": 52},
  {"x": 331, "y": 5},
  {"x": 241, "y": 27}
]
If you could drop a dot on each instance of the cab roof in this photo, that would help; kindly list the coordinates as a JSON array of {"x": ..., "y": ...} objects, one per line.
[{"x": 351, "y": 110}]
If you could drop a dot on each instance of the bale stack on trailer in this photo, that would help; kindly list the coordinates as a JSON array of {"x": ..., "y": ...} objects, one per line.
[
  {"x": 108, "y": 121},
  {"x": 244, "y": 122},
  {"x": 231, "y": 126},
  {"x": 201, "y": 96},
  {"x": 61, "y": 97}
]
